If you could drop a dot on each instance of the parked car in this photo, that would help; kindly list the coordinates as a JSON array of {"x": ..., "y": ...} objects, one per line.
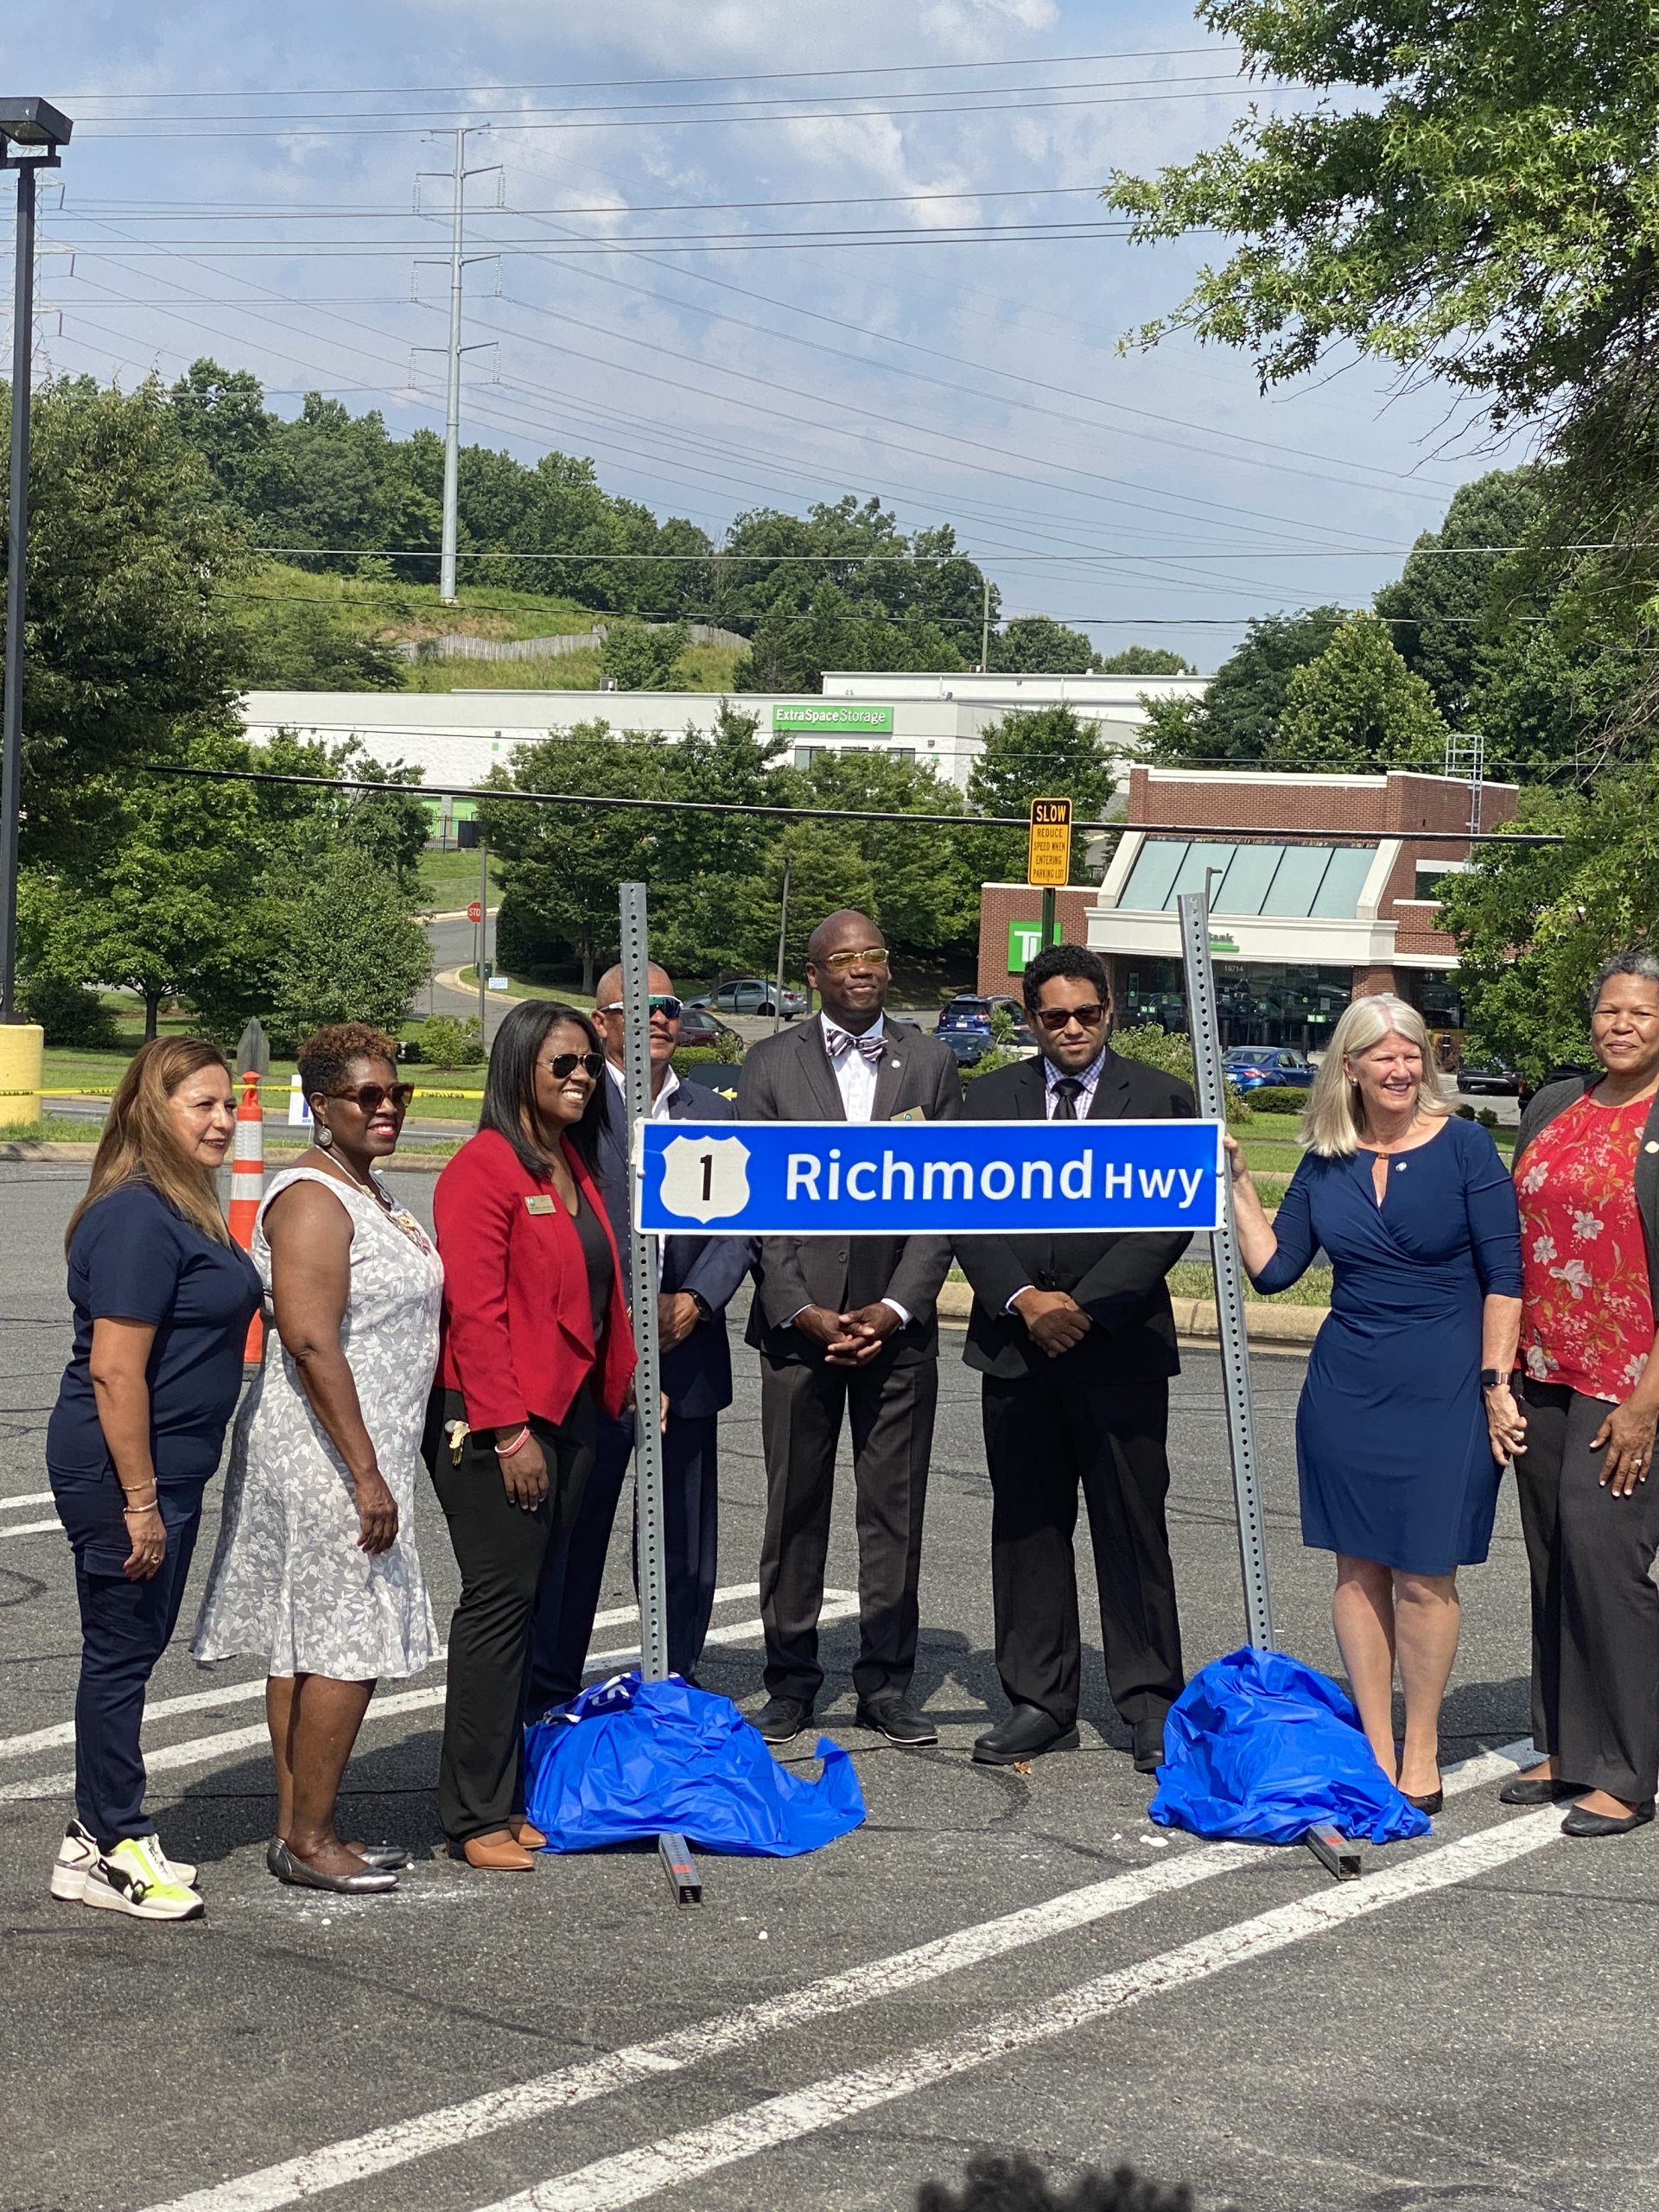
[
  {"x": 1529, "y": 1090},
  {"x": 699, "y": 1027},
  {"x": 970, "y": 1013},
  {"x": 750, "y": 995},
  {"x": 1263, "y": 1067},
  {"x": 1489, "y": 1079},
  {"x": 969, "y": 1046}
]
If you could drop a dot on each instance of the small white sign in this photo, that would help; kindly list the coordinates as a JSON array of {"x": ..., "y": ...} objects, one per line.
[
  {"x": 299, "y": 1106},
  {"x": 499, "y": 982}
]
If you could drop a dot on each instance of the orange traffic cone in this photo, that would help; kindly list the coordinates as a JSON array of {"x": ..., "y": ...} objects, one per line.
[{"x": 247, "y": 1188}]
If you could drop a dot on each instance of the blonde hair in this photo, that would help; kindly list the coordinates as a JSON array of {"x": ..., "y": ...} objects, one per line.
[
  {"x": 140, "y": 1144},
  {"x": 1331, "y": 1125}
]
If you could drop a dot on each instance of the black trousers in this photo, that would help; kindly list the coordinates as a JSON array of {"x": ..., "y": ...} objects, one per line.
[
  {"x": 1046, "y": 1436},
  {"x": 1595, "y": 1612},
  {"x": 890, "y": 1408},
  {"x": 502, "y": 1554},
  {"x": 568, "y": 1597}
]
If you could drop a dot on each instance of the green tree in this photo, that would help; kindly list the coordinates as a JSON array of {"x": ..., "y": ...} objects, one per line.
[
  {"x": 1235, "y": 722},
  {"x": 926, "y": 894},
  {"x": 1359, "y": 708},
  {"x": 1040, "y": 752},
  {"x": 638, "y": 657},
  {"x": 1036, "y": 644},
  {"x": 350, "y": 949},
  {"x": 1144, "y": 660},
  {"x": 827, "y": 869},
  {"x": 699, "y": 857},
  {"x": 1454, "y": 597},
  {"x": 790, "y": 651}
]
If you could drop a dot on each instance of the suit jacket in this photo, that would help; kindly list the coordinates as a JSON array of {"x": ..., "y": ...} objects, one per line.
[
  {"x": 1118, "y": 1281},
  {"x": 518, "y": 1327},
  {"x": 789, "y": 1078},
  {"x": 697, "y": 1373}
]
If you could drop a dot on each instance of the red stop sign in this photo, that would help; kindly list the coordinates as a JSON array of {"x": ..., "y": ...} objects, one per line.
[{"x": 474, "y": 912}]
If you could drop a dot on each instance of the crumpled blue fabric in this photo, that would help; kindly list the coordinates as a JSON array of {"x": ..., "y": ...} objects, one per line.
[
  {"x": 1262, "y": 1748},
  {"x": 630, "y": 1758}
]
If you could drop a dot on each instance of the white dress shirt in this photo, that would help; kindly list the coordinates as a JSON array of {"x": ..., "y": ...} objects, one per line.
[
  {"x": 855, "y": 1075},
  {"x": 659, "y": 1104}
]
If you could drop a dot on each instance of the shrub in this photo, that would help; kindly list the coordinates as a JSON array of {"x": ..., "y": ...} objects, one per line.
[
  {"x": 988, "y": 1064},
  {"x": 709, "y": 1063},
  {"x": 1278, "y": 1098},
  {"x": 1487, "y": 1118},
  {"x": 1171, "y": 1051},
  {"x": 69, "y": 1011},
  {"x": 447, "y": 1043}
]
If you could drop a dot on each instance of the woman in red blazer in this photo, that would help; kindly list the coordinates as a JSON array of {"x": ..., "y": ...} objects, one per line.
[{"x": 535, "y": 1336}]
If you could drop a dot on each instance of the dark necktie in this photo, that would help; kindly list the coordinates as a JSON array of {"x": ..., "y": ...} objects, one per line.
[{"x": 1068, "y": 1088}]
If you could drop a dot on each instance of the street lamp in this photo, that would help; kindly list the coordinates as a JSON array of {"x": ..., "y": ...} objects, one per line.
[{"x": 31, "y": 131}]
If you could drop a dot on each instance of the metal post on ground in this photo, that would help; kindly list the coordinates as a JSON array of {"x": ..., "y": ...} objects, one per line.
[
  {"x": 483, "y": 939},
  {"x": 643, "y": 1272},
  {"x": 1048, "y": 919},
  {"x": 783, "y": 933}
]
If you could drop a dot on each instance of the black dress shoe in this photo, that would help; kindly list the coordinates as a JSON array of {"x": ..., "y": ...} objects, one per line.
[
  {"x": 1579, "y": 1823},
  {"x": 1539, "y": 1790},
  {"x": 1026, "y": 1733},
  {"x": 1149, "y": 1748},
  {"x": 781, "y": 1719},
  {"x": 1432, "y": 1801},
  {"x": 892, "y": 1714}
]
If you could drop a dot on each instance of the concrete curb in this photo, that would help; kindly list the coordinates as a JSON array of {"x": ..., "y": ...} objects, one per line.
[{"x": 1291, "y": 1326}]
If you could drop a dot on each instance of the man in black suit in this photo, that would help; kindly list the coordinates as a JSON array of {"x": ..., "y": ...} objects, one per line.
[
  {"x": 700, "y": 1276},
  {"x": 1074, "y": 1338},
  {"x": 846, "y": 1325}
]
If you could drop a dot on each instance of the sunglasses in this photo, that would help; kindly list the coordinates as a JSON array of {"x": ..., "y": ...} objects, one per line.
[
  {"x": 564, "y": 1063},
  {"x": 1055, "y": 1018},
  {"x": 872, "y": 956},
  {"x": 663, "y": 1002},
  {"x": 371, "y": 1096}
]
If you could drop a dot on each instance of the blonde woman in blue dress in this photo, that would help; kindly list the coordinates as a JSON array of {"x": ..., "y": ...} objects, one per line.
[{"x": 316, "y": 1572}]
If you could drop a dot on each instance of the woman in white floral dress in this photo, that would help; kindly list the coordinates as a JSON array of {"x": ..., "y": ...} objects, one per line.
[{"x": 316, "y": 1570}]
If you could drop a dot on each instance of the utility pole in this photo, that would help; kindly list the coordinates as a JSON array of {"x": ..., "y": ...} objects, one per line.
[
  {"x": 458, "y": 177},
  {"x": 985, "y": 629},
  {"x": 483, "y": 939}
]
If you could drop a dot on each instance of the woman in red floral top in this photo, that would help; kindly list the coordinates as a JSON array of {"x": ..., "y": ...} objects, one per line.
[{"x": 1587, "y": 1176}]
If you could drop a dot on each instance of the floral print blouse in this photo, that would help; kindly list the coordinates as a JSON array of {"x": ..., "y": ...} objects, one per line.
[{"x": 1587, "y": 1321}]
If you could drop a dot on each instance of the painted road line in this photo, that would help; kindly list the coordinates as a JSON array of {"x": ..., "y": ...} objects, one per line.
[
  {"x": 25, "y": 1497},
  {"x": 386, "y": 2148},
  {"x": 632, "y": 2176},
  {"x": 161, "y": 1708},
  {"x": 31, "y": 1528},
  {"x": 201, "y": 1751},
  {"x": 359, "y": 2158}
]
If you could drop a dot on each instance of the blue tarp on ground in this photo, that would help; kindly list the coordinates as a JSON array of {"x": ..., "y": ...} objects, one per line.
[
  {"x": 1260, "y": 1748},
  {"x": 631, "y": 1759}
]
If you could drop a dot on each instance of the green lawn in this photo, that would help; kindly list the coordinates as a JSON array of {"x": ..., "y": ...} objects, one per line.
[
  {"x": 450, "y": 880},
  {"x": 704, "y": 668},
  {"x": 1195, "y": 1279}
]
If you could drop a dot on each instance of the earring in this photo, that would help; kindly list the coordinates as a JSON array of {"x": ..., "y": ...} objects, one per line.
[{"x": 325, "y": 1137}]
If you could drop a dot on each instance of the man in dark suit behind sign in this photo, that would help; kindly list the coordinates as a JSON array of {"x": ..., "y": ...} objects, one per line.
[
  {"x": 845, "y": 1324},
  {"x": 700, "y": 1276},
  {"x": 1075, "y": 1343}
]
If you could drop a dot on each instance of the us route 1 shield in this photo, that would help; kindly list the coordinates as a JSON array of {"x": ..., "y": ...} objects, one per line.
[{"x": 950, "y": 1178}]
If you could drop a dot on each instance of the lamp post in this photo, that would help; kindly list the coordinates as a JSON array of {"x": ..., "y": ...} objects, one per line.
[{"x": 31, "y": 131}]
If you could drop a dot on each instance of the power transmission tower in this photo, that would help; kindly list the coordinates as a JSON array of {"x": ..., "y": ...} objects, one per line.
[{"x": 458, "y": 262}]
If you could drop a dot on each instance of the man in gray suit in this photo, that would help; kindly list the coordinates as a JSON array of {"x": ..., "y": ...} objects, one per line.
[{"x": 846, "y": 1325}]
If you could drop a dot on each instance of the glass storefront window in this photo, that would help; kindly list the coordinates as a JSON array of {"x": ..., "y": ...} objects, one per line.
[{"x": 1260, "y": 1002}]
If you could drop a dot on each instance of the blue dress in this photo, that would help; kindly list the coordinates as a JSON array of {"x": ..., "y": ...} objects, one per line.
[{"x": 1390, "y": 1432}]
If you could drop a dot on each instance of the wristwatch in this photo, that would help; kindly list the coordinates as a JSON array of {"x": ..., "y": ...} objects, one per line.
[
  {"x": 705, "y": 1311},
  {"x": 1490, "y": 1379}
]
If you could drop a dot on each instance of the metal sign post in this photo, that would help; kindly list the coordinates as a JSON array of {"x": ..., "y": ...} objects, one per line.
[
  {"x": 645, "y": 1270},
  {"x": 1205, "y": 1032}
]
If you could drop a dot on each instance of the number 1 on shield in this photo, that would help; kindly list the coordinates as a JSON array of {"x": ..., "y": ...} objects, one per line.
[{"x": 707, "y": 1177}]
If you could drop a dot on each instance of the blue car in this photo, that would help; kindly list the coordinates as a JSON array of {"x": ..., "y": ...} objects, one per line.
[{"x": 1262, "y": 1067}]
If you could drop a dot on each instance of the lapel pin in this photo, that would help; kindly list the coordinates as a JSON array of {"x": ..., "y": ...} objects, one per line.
[{"x": 895, "y": 1063}]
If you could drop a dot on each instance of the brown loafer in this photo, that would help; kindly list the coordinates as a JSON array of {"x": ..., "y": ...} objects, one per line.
[
  {"x": 498, "y": 1853},
  {"x": 525, "y": 1832}
]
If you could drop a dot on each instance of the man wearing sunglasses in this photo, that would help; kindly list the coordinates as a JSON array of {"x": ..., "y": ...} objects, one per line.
[
  {"x": 845, "y": 1327},
  {"x": 1075, "y": 1341},
  {"x": 700, "y": 1275}
]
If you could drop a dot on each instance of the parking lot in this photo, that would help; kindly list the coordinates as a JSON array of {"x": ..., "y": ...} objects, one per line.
[{"x": 995, "y": 1957}]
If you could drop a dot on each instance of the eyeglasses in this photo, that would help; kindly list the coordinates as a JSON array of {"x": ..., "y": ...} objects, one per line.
[
  {"x": 564, "y": 1063},
  {"x": 663, "y": 1002},
  {"x": 871, "y": 955},
  {"x": 371, "y": 1096},
  {"x": 1054, "y": 1018}
]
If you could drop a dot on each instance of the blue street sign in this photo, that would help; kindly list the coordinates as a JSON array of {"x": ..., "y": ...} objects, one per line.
[{"x": 839, "y": 1178}]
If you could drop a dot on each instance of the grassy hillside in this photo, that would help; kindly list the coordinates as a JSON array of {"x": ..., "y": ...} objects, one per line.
[{"x": 705, "y": 668}]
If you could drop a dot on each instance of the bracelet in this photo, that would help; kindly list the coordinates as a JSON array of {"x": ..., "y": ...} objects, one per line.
[
  {"x": 128, "y": 1510},
  {"x": 130, "y": 1493},
  {"x": 511, "y": 1451}
]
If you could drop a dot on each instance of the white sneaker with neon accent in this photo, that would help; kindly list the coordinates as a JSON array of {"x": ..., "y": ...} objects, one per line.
[
  {"x": 78, "y": 1855},
  {"x": 126, "y": 1880}
]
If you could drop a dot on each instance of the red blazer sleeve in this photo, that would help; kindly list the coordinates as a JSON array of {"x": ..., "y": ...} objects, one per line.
[{"x": 474, "y": 1209}]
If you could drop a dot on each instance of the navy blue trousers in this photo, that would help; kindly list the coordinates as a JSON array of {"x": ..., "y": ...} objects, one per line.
[
  {"x": 568, "y": 1597},
  {"x": 124, "y": 1628}
]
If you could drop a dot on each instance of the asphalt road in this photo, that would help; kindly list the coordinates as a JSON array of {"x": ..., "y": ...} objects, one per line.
[{"x": 994, "y": 1958}]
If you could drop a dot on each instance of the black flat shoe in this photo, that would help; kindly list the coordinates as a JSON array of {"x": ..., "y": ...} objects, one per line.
[
  {"x": 1149, "y": 1749},
  {"x": 1432, "y": 1800},
  {"x": 1026, "y": 1733},
  {"x": 1540, "y": 1790},
  {"x": 1579, "y": 1823},
  {"x": 781, "y": 1719},
  {"x": 288, "y": 1866},
  {"x": 893, "y": 1715}
]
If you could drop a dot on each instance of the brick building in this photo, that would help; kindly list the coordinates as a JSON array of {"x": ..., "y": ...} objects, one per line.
[{"x": 1323, "y": 894}]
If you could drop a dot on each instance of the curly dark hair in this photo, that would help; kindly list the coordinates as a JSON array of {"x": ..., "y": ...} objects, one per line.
[
  {"x": 1074, "y": 960},
  {"x": 997, "y": 2183},
  {"x": 327, "y": 1055}
]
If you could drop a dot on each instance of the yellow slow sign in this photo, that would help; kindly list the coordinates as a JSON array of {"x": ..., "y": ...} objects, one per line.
[{"x": 1048, "y": 860}]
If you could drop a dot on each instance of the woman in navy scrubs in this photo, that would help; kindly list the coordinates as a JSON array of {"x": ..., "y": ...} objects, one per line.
[
  {"x": 162, "y": 1300},
  {"x": 1405, "y": 1419}
]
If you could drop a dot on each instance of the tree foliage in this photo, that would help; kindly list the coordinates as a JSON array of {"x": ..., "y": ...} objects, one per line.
[
  {"x": 1235, "y": 724},
  {"x": 350, "y": 949},
  {"x": 1358, "y": 708},
  {"x": 791, "y": 650},
  {"x": 640, "y": 657},
  {"x": 1144, "y": 660},
  {"x": 1040, "y": 752},
  {"x": 1035, "y": 645}
]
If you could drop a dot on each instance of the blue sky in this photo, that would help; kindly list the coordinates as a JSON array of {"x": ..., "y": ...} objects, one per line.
[{"x": 241, "y": 179}]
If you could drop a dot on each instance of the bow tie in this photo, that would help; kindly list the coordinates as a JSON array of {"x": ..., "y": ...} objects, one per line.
[{"x": 837, "y": 1041}]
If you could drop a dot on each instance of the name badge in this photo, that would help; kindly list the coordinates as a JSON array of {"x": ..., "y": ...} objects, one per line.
[
  {"x": 538, "y": 1202},
  {"x": 909, "y": 1113}
]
